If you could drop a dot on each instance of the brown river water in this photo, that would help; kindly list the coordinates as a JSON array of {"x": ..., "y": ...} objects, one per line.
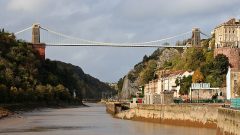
[{"x": 91, "y": 120}]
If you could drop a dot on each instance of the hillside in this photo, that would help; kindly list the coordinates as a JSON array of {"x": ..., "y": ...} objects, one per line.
[
  {"x": 24, "y": 77},
  {"x": 201, "y": 59}
]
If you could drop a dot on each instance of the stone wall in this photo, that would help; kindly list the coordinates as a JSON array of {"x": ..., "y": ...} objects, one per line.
[
  {"x": 114, "y": 107},
  {"x": 203, "y": 94},
  {"x": 110, "y": 107},
  {"x": 228, "y": 122},
  {"x": 231, "y": 53},
  {"x": 183, "y": 114}
]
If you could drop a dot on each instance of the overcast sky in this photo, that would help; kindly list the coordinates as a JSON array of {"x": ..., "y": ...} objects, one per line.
[{"x": 114, "y": 21}]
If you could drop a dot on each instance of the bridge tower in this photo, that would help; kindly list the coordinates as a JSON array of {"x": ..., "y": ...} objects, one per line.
[
  {"x": 37, "y": 45},
  {"x": 196, "y": 38}
]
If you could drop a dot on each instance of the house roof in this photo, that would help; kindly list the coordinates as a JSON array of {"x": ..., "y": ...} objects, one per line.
[
  {"x": 231, "y": 22},
  {"x": 175, "y": 73}
]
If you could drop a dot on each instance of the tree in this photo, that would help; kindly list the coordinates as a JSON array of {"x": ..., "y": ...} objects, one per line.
[
  {"x": 61, "y": 93},
  {"x": 131, "y": 76},
  {"x": 145, "y": 58},
  {"x": 215, "y": 80},
  {"x": 194, "y": 58},
  {"x": 221, "y": 64},
  {"x": 185, "y": 84},
  {"x": 148, "y": 73},
  {"x": 40, "y": 90},
  {"x": 3, "y": 93},
  {"x": 14, "y": 93},
  {"x": 120, "y": 84},
  {"x": 197, "y": 76}
]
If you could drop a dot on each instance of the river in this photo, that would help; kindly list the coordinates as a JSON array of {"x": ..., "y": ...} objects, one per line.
[{"x": 91, "y": 120}]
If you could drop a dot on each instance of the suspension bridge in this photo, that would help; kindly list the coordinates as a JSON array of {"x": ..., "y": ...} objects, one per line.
[{"x": 49, "y": 37}]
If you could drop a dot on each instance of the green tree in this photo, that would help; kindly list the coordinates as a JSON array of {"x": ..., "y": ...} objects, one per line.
[
  {"x": 221, "y": 64},
  {"x": 148, "y": 73},
  {"x": 40, "y": 91},
  {"x": 145, "y": 58},
  {"x": 3, "y": 93},
  {"x": 185, "y": 84},
  {"x": 61, "y": 93},
  {"x": 131, "y": 76},
  {"x": 194, "y": 58},
  {"x": 215, "y": 80},
  {"x": 120, "y": 84}
]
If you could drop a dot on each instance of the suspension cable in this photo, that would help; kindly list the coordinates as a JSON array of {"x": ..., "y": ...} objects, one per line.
[
  {"x": 124, "y": 46},
  {"x": 19, "y": 32},
  {"x": 109, "y": 43}
]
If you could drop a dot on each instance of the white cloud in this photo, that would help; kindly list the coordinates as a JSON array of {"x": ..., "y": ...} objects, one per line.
[
  {"x": 26, "y": 5},
  {"x": 152, "y": 9}
]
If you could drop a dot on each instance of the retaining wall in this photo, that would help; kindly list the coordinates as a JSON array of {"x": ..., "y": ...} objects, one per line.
[
  {"x": 225, "y": 121},
  {"x": 185, "y": 115},
  {"x": 228, "y": 121}
]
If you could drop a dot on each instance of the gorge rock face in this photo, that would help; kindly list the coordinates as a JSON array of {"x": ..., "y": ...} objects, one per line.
[
  {"x": 129, "y": 88},
  {"x": 167, "y": 55}
]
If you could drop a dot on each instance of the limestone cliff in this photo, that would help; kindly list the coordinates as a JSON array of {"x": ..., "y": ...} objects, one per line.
[
  {"x": 167, "y": 55},
  {"x": 133, "y": 79},
  {"x": 129, "y": 88}
]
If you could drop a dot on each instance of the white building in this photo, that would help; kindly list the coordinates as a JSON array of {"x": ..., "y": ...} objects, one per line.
[
  {"x": 233, "y": 83},
  {"x": 165, "y": 83},
  {"x": 228, "y": 34}
]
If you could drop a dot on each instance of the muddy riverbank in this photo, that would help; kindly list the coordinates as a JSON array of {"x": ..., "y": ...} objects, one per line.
[{"x": 4, "y": 113}]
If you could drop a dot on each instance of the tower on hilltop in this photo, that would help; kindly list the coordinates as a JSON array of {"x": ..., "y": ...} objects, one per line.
[
  {"x": 37, "y": 45},
  {"x": 196, "y": 38}
]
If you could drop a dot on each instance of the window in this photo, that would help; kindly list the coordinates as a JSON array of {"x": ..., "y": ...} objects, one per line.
[
  {"x": 235, "y": 76},
  {"x": 235, "y": 87}
]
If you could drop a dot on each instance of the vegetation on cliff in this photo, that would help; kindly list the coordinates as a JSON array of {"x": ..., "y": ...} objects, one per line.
[
  {"x": 207, "y": 68},
  {"x": 24, "y": 77}
]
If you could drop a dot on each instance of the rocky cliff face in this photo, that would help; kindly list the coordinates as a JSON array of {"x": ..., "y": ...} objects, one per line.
[
  {"x": 131, "y": 81},
  {"x": 129, "y": 88},
  {"x": 167, "y": 55}
]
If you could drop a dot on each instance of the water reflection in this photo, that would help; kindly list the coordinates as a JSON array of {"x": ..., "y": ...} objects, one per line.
[{"x": 87, "y": 121}]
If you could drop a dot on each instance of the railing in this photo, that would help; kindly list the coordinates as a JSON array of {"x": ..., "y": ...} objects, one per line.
[
  {"x": 235, "y": 103},
  {"x": 200, "y": 101}
]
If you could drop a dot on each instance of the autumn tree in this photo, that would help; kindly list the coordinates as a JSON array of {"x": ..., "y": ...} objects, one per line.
[{"x": 197, "y": 77}]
